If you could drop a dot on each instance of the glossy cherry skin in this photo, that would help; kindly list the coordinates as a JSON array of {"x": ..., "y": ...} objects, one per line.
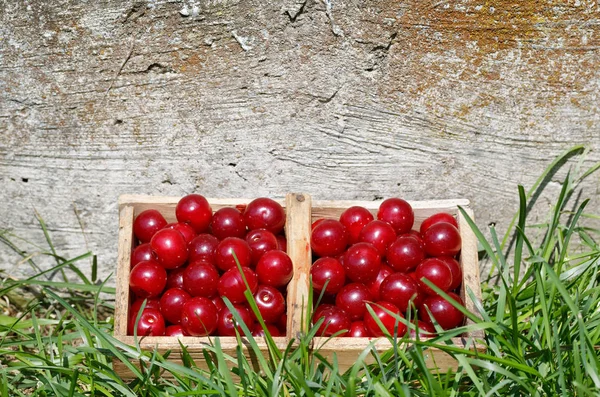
[
  {"x": 352, "y": 298},
  {"x": 275, "y": 268},
  {"x": 437, "y": 218},
  {"x": 446, "y": 315},
  {"x": 219, "y": 302},
  {"x": 437, "y": 272},
  {"x": 362, "y": 262},
  {"x": 170, "y": 247},
  {"x": 270, "y": 302},
  {"x": 231, "y": 284},
  {"x": 398, "y": 213},
  {"x": 142, "y": 252},
  {"x": 200, "y": 278},
  {"x": 227, "y": 323},
  {"x": 147, "y": 223},
  {"x": 260, "y": 241},
  {"x": 455, "y": 269},
  {"x": 378, "y": 233},
  {"x": 281, "y": 242},
  {"x": 358, "y": 330},
  {"x": 195, "y": 210},
  {"x": 405, "y": 253},
  {"x": 328, "y": 271},
  {"x": 174, "y": 330},
  {"x": 230, "y": 249},
  {"x": 259, "y": 331},
  {"x": 186, "y": 230},
  {"x": 354, "y": 219},
  {"x": 375, "y": 285},
  {"x": 228, "y": 222},
  {"x": 147, "y": 279},
  {"x": 400, "y": 289},
  {"x": 171, "y": 304},
  {"x": 203, "y": 246},
  {"x": 151, "y": 323},
  {"x": 329, "y": 238},
  {"x": 335, "y": 321},
  {"x": 265, "y": 213},
  {"x": 442, "y": 239},
  {"x": 426, "y": 330},
  {"x": 393, "y": 326},
  {"x": 199, "y": 316},
  {"x": 175, "y": 278},
  {"x": 151, "y": 303}
]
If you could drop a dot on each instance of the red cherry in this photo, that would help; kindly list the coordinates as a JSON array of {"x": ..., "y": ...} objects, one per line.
[
  {"x": 265, "y": 213},
  {"x": 195, "y": 210},
  {"x": 281, "y": 242},
  {"x": 389, "y": 322},
  {"x": 230, "y": 249},
  {"x": 147, "y": 279},
  {"x": 446, "y": 315},
  {"x": 352, "y": 299},
  {"x": 227, "y": 323},
  {"x": 275, "y": 268},
  {"x": 455, "y": 269},
  {"x": 203, "y": 246},
  {"x": 199, "y": 316},
  {"x": 200, "y": 278},
  {"x": 425, "y": 330},
  {"x": 282, "y": 323},
  {"x": 398, "y": 213},
  {"x": 270, "y": 302},
  {"x": 400, "y": 289},
  {"x": 354, "y": 219},
  {"x": 175, "y": 278},
  {"x": 170, "y": 247},
  {"x": 358, "y": 330},
  {"x": 329, "y": 238},
  {"x": 336, "y": 320},
  {"x": 378, "y": 233},
  {"x": 228, "y": 222},
  {"x": 142, "y": 252},
  {"x": 259, "y": 331},
  {"x": 442, "y": 239},
  {"x": 261, "y": 241},
  {"x": 219, "y": 302},
  {"x": 151, "y": 303},
  {"x": 328, "y": 271},
  {"x": 171, "y": 304},
  {"x": 315, "y": 223},
  {"x": 437, "y": 218},
  {"x": 174, "y": 330},
  {"x": 231, "y": 284},
  {"x": 362, "y": 262},
  {"x": 186, "y": 230},
  {"x": 405, "y": 253},
  {"x": 437, "y": 272},
  {"x": 151, "y": 323},
  {"x": 375, "y": 285},
  {"x": 147, "y": 223}
]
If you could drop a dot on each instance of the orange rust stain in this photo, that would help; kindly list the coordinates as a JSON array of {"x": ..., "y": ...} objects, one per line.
[{"x": 539, "y": 51}]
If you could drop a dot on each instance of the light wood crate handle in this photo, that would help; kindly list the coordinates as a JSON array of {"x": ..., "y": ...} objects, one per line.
[{"x": 297, "y": 230}]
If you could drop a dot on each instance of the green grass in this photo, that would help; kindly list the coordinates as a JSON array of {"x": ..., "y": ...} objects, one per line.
[{"x": 540, "y": 312}]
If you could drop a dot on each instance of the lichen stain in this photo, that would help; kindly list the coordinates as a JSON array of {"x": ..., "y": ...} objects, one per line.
[{"x": 449, "y": 53}]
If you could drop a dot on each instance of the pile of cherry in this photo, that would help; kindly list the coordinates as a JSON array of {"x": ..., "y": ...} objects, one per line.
[
  {"x": 383, "y": 262},
  {"x": 183, "y": 270}
]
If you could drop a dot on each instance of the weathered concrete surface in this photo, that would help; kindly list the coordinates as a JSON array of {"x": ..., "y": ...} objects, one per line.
[{"x": 341, "y": 99}]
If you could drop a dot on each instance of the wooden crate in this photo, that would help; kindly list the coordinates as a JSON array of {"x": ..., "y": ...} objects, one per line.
[
  {"x": 301, "y": 211},
  {"x": 347, "y": 350}
]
